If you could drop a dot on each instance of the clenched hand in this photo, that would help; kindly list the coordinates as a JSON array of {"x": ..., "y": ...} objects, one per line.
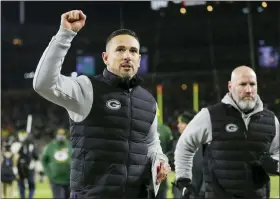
[{"x": 73, "y": 20}]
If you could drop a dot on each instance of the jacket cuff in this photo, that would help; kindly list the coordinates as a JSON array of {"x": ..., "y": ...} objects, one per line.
[
  {"x": 160, "y": 157},
  {"x": 64, "y": 35}
]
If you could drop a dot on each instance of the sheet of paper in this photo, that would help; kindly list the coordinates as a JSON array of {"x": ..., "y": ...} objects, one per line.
[{"x": 154, "y": 174}]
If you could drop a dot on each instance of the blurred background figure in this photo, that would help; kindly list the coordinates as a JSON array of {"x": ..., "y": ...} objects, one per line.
[
  {"x": 197, "y": 178},
  {"x": 28, "y": 156},
  {"x": 56, "y": 160},
  {"x": 165, "y": 136},
  {"x": 183, "y": 120},
  {"x": 8, "y": 170}
]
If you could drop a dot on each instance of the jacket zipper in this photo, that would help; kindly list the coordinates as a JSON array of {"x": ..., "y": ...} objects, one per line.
[
  {"x": 245, "y": 165},
  {"x": 245, "y": 134},
  {"x": 128, "y": 140},
  {"x": 246, "y": 126}
]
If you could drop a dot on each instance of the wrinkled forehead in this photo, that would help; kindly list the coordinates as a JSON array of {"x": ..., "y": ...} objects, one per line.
[
  {"x": 125, "y": 41},
  {"x": 245, "y": 78}
]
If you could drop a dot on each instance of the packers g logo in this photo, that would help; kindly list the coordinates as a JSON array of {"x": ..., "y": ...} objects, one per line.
[
  {"x": 61, "y": 156},
  {"x": 231, "y": 128},
  {"x": 113, "y": 104}
]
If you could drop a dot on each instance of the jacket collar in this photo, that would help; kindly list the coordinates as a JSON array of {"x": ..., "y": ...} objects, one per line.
[{"x": 120, "y": 82}]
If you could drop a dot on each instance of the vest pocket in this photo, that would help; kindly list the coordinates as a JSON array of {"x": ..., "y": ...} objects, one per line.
[
  {"x": 258, "y": 176},
  {"x": 95, "y": 171}
]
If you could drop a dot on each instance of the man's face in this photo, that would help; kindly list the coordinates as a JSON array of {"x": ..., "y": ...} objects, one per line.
[
  {"x": 22, "y": 136},
  {"x": 244, "y": 91},
  {"x": 122, "y": 56},
  {"x": 60, "y": 136},
  {"x": 181, "y": 126}
]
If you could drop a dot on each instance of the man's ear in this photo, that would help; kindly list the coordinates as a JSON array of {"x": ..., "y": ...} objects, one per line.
[
  {"x": 229, "y": 86},
  {"x": 105, "y": 57}
]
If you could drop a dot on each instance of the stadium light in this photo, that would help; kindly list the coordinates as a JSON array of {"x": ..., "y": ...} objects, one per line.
[
  {"x": 183, "y": 11},
  {"x": 209, "y": 8},
  {"x": 17, "y": 41},
  {"x": 184, "y": 87},
  {"x": 264, "y": 4}
]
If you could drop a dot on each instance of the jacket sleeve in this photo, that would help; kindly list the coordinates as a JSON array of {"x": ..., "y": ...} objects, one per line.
[
  {"x": 45, "y": 160},
  {"x": 154, "y": 147},
  {"x": 198, "y": 132},
  {"x": 68, "y": 92},
  {"x": 274, "y": 147}
]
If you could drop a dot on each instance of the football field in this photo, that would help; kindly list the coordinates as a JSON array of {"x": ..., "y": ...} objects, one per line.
[
  {"x": 43, "y": 190},
  {"x": 275, "y": 190}
]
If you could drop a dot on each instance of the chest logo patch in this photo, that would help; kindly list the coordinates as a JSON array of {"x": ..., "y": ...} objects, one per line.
[
  {"x": 113, "y": 104},
  {"x": 231, "y": 128},
  {"x": 61, "y": 156}
]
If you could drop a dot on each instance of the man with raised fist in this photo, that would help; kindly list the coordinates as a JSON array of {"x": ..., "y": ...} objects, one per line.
[{"x": 113, "y": 119}]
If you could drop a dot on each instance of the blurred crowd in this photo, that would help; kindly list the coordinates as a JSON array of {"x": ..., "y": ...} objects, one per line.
[{"x": 47, "y": 117}]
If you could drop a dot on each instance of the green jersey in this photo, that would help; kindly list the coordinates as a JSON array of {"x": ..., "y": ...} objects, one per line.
[
  {"x": 56, "y": 160},
  {"x": 165, "y": 136}
]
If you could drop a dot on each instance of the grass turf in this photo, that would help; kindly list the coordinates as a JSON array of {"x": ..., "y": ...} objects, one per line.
[{"x": 43, "y": 190}]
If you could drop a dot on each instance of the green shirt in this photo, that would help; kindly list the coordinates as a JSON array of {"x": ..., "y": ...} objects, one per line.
[
  {"x": 56, "y": 160},
  {"x": 165, "y": 136}
]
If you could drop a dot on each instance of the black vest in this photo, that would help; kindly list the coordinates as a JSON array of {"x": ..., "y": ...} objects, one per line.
[
  {"x": 228, "y": 158},
  {"x": 109, "y": 146}
]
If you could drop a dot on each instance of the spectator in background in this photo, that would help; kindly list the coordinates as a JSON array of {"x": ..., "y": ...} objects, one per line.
[
  {"x": 165, "y": 137},
  {"x": 197, "y": 174},
  {"x": 8, "y": 170},
  {"x": 56, "y": 160},
  {"x": 27, "y": 157}
]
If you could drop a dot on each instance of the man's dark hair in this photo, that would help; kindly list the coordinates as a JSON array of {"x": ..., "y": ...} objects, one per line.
[
  {"x": 121, "y": 32},
  {"x": 187, "y": 116}
]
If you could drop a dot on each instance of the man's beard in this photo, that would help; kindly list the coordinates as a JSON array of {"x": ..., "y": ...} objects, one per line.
[
  {"x": 246, "y": 105},
  {"x": 126, "y": 75}
]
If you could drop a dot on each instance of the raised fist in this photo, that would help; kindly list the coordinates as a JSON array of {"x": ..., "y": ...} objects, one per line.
[{"x": 73, "y": 20}]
